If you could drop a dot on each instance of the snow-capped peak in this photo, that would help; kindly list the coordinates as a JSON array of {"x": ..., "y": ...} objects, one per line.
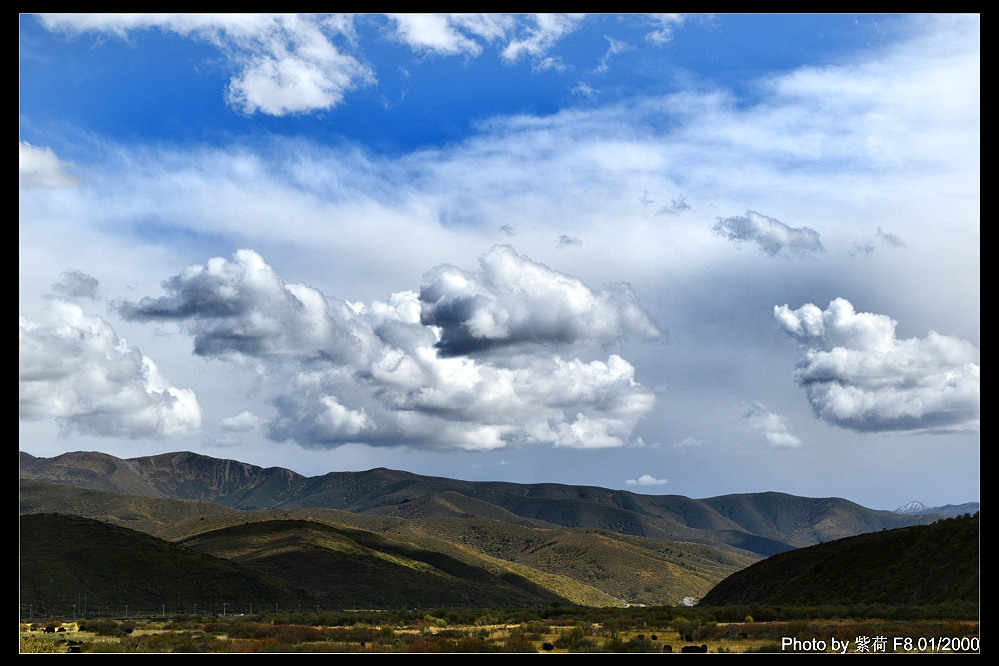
[{"x": 912, "y": 507}]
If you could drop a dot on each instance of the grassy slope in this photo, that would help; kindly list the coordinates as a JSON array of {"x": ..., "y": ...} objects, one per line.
[
  {"x": 527, "y": 579},
  {"x": 351, "y": 567},
  {"x": 635, "y": 569}
]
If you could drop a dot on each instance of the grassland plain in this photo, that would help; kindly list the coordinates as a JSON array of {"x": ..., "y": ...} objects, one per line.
[{"x": 553, "y": 630}]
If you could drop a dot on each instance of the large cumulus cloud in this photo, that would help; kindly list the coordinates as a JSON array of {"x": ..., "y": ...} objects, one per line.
[
  {"x": 73, "y": 368},
  {"x": 857, "y": 374},
  {"x": 244, "y": 307},
  {"x": 455, "y": 366},
  {"x": 512, "y": 301}
]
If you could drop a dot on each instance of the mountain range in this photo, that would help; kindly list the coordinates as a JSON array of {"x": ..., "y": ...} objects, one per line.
[
  {"x": 915, "y": 508},
  {"x": 380, "y": 537},
  {"x": 754, "y": 523}
]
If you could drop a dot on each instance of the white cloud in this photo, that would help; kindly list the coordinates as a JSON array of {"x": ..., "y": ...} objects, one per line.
[
  {"x": 774, "y": 427},
  {"x": 284, "y": 63},
  {"x": 451, "y": 34},
  {"x": 40, "y": 167},
  {"x": 245, "y": 421},
  {"x": 666, "y": 26},
  {"x": 615, "y": 47},
  {"x": 859, "y": 375},
  {"x": 75, "y": 370},
  {"x": 647, "y": 480},
  {"x": 512, "y": 301},
  {"x": 536, "y": 40},
  {"x": 375, "y": 373},
  {"x": 288, "y": 63},
  {"x": 687, "y": 443}
]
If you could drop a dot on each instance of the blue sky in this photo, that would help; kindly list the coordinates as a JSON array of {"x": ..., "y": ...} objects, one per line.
[{"x": 676, "y": 254}]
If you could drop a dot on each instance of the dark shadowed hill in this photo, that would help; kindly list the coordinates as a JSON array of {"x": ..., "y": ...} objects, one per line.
[
  {"x": 924, "y": 564},
  {"x": 761, "y": 523},
  {"x": 66, "y": 561}
]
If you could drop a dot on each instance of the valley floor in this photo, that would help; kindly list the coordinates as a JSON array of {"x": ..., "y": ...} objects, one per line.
[{"x": 432, "y": 633}]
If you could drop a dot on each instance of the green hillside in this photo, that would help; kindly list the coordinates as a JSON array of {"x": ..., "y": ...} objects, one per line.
[
  {"x": 354, "y": 568},
  {"x": 925, "y": 564},
  {"x": 347, "y": 559},
  {"x": 637, "y": 570}
]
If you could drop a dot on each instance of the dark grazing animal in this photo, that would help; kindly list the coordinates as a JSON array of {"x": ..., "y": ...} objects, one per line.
[{"x": 694, "y": 648}]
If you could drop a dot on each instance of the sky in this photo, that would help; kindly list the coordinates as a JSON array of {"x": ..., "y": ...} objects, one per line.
[{"x": 672, "y": 254}]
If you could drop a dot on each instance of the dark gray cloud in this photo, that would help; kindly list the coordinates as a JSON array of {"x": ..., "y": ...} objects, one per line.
[
  {"x": 889, "y": 238},
  {"x": 676, "y": 207},
  {"x": 512, "y": 301},
  {"x": 76, "y": 284},
  {"x": 858, "y": 375},
  {"x": 773, "y": 236},
  {"x": 884, "y": 238},
  {"x": 243, "y": 307}
]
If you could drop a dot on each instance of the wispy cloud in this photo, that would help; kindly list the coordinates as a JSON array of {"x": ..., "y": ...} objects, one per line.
[
  {"x": 774, "y": 427},
  {"x": 614, "y": 47},
  {"x": 537, "y": 38},
  {"x": 451, "y": 34},
  {"x": 666, "y": 25}
]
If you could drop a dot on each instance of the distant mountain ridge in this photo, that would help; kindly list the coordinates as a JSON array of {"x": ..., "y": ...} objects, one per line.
[
  {"x": 760, "y": 524},
  {"x": 915, "y": 508}
]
